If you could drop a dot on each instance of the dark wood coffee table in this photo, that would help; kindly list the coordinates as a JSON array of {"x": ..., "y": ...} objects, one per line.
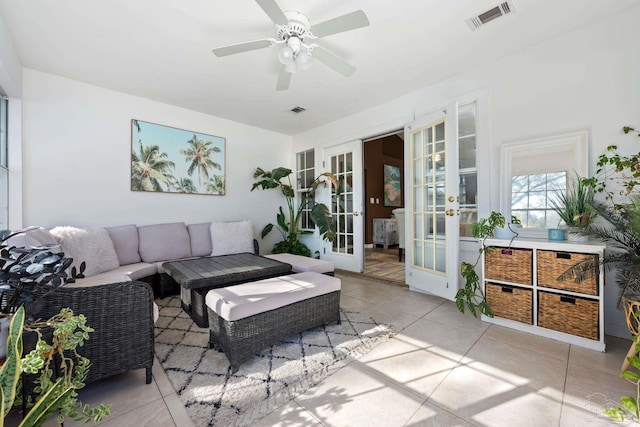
[{"x": 199, "y": 275}]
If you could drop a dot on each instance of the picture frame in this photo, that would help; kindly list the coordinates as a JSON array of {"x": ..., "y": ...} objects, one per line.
[
  {"x": 165, "y": 159},
  {"x": 392, "y": 186}
]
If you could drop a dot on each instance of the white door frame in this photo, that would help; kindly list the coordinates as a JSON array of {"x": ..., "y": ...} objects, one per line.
[
  {"x": 351, "y": 260},
  {"x": 420, "y": 278}
]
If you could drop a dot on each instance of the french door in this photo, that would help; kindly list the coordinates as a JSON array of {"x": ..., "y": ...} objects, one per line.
[
  {"x": 345, "y": 163},
  {"x": 431, "y": 156}
]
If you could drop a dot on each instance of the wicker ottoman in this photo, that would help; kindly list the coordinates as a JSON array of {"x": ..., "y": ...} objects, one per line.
[{"x": 248, "y": 318}]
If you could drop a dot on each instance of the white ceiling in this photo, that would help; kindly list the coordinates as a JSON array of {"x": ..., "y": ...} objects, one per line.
[{"x": 161, "y": 49}]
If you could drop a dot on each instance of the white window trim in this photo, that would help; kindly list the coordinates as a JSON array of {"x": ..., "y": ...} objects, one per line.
[{"x": 577, "y": 142}]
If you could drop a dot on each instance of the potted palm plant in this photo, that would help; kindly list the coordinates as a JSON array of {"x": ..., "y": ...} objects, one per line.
[
  {"x": 289, "y": 222},
  {"x": 618, "y": 179}
]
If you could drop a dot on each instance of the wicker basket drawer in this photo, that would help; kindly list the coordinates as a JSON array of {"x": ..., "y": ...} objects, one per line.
[
  {"x": 510, "y": 302},
  {"x": 572, "y": 315},
  {"x": 551, "y": 264},
  {"x": 509, "y": 265}
]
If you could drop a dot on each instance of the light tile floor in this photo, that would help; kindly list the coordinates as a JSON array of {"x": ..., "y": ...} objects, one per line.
[{"x": 441, "y": 369}]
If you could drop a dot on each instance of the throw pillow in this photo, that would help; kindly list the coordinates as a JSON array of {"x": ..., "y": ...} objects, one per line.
[
  {"x": 91, "y": 245},
  {"x": 200, "y": 235},
  {"x": 125, "y": 242},
  {"x": 34, "y": 237},
  {"x": 231, "y": 237},
  {"x": 164, "y": 242}
]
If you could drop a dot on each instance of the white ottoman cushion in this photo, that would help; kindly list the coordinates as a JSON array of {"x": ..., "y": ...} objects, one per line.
[
  {"x": 237, "y": 302},
  {"x": 301, "y": 263}
]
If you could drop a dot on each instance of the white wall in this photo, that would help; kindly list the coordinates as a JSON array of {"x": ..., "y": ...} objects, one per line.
[
  {"x": 77, "y": 160},
  {"x": 586, "y": 79},
  {"x": 10, "y": 66}
]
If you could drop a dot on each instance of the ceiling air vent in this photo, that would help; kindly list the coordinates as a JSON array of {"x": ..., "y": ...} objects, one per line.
[
  {"x": 298, "y": 109},
  {"x": 491, "y": 14}
]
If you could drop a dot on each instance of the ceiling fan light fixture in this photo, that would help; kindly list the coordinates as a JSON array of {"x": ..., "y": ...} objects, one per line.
[
  {"x": 304, "y": 59},
  {"x": 286, "y": 56},
  {"x": 291, "y": 68}
]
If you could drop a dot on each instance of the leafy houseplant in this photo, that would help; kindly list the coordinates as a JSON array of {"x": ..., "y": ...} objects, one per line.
[
  {"x": 508, "y": 229},
  {"x": 54, "y": 393},
  {"x": 629, "y": 407},
  {"x": 618, "y": 178},
  {"x": 26, "y": 275},
  {"x": 289, "y": 223},
  {"x": 472, "y": 295},
  {"x": 574, "y": 207}
]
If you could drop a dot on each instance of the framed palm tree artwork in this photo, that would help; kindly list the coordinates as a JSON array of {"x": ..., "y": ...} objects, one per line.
[{"x": 170, "y": 160}]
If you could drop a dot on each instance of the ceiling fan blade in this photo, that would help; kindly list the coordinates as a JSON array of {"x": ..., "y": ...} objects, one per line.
[
  {"x": 347, "y": 22},
  {"x": 241, "y": 47},
  {"x": 332, "y": 61},
  {"x": 274, "y": 12},
  {"x": 284, "y": 79}
]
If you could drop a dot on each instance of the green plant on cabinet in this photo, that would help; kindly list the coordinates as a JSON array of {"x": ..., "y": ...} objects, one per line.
[
  {"x": 471, "y": 296},
  {"x": 575, "y": 206}
]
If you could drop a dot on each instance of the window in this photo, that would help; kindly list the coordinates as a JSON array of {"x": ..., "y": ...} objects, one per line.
[
  {"x": 531, "y": 195},
  {"x": 532, "y": 170},
  {"x": 467, "y": 167},
  {"x": 305, "y": 174},
  {"x": 4, "y": 171}
]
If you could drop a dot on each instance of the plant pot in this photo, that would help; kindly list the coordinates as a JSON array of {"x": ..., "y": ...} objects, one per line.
[
  {"x": 555, "y": 234},
  {"x": 574, "y": 234},
  {"x": 509, "y": 231}
]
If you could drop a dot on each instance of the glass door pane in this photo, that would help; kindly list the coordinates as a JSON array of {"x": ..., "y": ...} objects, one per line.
[
  {"x": 342, "y": 203},
  {"x": 429, "y": 201}
]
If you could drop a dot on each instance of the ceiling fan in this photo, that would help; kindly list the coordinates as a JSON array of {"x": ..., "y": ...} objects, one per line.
[{"x": 296, "y": 37}]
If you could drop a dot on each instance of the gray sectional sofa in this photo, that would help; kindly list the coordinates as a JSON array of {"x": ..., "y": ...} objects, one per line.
[
  {"x": 136, "y": 253},
  {"x": 122, "y": 265}
]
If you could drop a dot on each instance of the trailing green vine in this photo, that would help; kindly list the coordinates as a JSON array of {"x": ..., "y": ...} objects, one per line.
[{"x": 472, "y": 296}]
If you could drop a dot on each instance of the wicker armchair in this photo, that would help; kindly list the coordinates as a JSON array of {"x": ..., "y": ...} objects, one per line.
[{"x": 121, "y": 315}]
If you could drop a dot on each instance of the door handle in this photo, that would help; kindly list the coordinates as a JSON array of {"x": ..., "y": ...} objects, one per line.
[
  {"x": 450, "y": 212},
  {"x": 356, "y": 213}
]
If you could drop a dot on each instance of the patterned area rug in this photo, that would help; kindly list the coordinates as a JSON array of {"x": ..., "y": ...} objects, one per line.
[{"x": 214, "y": 396}]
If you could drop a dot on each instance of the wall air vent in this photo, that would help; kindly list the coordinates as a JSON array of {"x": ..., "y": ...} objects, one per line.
[
  {"x": 298, "y": 109},
  {"x": 502, "y": 9}
]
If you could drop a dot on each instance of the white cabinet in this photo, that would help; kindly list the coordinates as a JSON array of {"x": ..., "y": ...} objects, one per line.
[
  {"x": 385, "y": 232},
  {"x": 522, "y": 288}
]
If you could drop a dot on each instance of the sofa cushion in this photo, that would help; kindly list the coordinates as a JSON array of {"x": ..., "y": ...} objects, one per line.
[
  {"x": 231, "y": 237},
  {"x": 90, "y": 245},
  {"x": 125, "y": 241},
  {"x": 200, "y": 235},
  {"x": 105, "y": 278},
  {"x": 164, "y": 242},
  {"x": 34, "y": 237}
]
